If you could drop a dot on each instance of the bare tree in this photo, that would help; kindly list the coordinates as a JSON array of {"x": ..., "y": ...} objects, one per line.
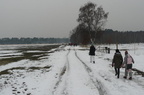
[{"x": 93, "y": 18}]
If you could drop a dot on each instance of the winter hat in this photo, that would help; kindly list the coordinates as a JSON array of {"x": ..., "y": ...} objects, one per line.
[
  {"x": 126, "y": 52},
  {"x": 117, "y": 50}
]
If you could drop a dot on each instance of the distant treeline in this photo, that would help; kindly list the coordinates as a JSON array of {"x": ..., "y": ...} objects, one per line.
[
  {"x": 105, "y": 37},
  {"x": 109, "y": 37},
  {"x": 34, "y": 40}
]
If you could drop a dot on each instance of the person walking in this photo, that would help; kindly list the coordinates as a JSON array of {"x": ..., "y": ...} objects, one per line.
[
  {"x": 128, "y": 61},
  {"x": 92, "y": 53},
  {"x": 117, "y": 62}
]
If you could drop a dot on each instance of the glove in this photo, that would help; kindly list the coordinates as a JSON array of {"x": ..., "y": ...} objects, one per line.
[{"x": 112, "y": 64}]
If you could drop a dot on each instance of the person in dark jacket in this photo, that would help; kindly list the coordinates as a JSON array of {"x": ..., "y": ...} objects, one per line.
[
  {"x": 117, "y": 62},
  {"x": 92, "y": 53}
]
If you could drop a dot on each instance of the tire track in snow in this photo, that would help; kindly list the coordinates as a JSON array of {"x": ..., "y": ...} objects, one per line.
[
  {"x": 97, "y": 83},
  {"x": 63, "y": 74},
  {"x": 62, "y": 79},
  {"x": 79, "y": 82}
]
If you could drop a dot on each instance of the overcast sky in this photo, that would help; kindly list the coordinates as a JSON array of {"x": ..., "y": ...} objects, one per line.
[{"x": 56, "y": 18}]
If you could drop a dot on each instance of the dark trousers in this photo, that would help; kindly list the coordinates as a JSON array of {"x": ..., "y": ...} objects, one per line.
[{"x": 117, "y": 71}]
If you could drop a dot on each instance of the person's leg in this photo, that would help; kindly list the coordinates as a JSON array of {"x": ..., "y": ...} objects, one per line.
[
  {"x": 90, "y": 58},
  {"x": 126, "y": 72},
  {"x": 130, "y": 72},
  {"x": 116, "y": 71},
  {"x": 93, "y": 59}
]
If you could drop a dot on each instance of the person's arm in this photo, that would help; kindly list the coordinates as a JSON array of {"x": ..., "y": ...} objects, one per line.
[
  {"x": 132, "y": 59},
  {"x": 122, "y": 61},
  {"x": 113, "y": 62}
]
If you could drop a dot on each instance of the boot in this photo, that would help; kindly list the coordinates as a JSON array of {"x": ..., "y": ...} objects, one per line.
[
  {"x": 130, "y": 78},
  {"x": 125, "y": 77}
]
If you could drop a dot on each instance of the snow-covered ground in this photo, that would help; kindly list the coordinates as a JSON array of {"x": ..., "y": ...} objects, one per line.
[{"x": 68, "y": 71}]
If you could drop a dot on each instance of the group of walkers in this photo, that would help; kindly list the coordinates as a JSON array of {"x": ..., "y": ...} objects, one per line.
[{"x": 117, "y": 62}]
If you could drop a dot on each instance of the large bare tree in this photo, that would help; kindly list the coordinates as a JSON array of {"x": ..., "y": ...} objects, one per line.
[{"x": 93, "y": 18}]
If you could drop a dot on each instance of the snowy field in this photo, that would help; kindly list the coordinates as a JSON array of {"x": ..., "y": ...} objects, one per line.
[{"x": 67, "y": 70}]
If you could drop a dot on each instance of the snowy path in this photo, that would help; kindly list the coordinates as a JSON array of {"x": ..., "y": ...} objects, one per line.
[
  {"x": 79, "y": 81},
  {"x": 84, "y": 78},
  {"x": 69, "y": 73},
  {"x": 75, "y": 78},
  {"x": 104, "y": 76}
]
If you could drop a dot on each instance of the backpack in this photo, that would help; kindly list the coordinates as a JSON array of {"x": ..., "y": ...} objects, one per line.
[{"x": 129, "y": 60}]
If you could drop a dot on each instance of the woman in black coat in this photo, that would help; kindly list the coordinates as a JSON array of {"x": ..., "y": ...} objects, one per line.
[
  {"x": 117, "y": 62},
  {"x": 92, "y": 53}
]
